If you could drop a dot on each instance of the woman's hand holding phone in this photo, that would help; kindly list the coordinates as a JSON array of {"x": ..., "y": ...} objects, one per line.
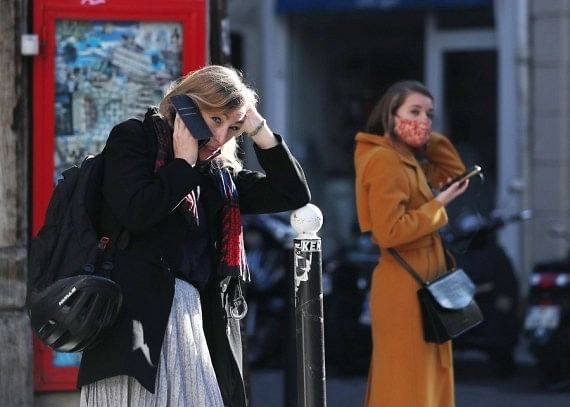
[
  {"x": 452, "y": 191},
  {"x": 456, "y": 186},
  {"x": 470, "y": 172},
  {"x": 184, "y": 145}
]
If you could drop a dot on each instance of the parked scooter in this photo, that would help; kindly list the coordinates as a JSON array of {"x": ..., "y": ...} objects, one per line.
[
  {"x": 547, "y": 321},
  {"x": 268, "y": 241},
  {"x": 487, "y": 264}
]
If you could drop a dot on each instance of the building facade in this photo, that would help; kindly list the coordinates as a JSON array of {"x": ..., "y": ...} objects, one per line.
[{"x": 497, "y": 69}]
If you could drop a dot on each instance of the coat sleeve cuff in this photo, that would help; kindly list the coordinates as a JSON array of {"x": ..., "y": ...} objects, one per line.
[{"x": 274, "y": 154}]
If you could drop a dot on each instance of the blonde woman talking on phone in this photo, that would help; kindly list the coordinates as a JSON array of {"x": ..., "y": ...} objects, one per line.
[{"x": 180, "y": 260}]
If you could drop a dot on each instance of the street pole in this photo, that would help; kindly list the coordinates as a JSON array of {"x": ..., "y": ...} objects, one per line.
[
  {"x": 307, "y": 260},
  {"x": 220, "y": 50}
]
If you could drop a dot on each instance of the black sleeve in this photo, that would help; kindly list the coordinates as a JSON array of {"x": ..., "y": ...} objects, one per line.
[
  {"x": 139, "y": 197},
  {"x": 283, "y": 187}
]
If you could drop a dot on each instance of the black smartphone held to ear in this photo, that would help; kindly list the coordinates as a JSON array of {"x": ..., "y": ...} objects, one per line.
[
  {"x": 474, "y": 170},
  {"x": 191, "y": 116}
]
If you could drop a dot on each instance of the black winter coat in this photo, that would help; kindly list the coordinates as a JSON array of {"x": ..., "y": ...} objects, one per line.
[{"x": 151, "y": 250}]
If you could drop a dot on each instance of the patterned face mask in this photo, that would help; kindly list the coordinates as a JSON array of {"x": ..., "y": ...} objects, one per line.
[{"x": 414, "y": 133}]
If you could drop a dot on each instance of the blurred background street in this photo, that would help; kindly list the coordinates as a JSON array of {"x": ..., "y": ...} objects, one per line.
[{"x": 476, "y": 386}]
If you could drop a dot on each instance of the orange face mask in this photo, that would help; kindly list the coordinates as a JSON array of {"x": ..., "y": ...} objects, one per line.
[{"x": 414, "y": 133}]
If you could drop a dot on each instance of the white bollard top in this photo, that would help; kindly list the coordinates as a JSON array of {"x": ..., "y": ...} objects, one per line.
[{"x": 307, "y": 221}]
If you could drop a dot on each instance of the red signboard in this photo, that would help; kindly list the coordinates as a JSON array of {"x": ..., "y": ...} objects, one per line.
[{"x": 100, "y": 62}]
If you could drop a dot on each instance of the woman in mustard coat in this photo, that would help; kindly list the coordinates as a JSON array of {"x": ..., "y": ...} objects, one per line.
[{"x": 398, "y": 161}]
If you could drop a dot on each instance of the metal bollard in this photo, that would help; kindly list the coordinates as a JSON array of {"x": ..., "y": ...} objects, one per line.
[{"x": 311, "y": 379}]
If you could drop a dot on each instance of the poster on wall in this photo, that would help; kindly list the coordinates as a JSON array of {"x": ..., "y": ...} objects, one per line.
[{"x": 107, "y": 72}]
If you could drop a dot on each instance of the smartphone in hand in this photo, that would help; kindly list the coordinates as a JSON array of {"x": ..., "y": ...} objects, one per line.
[
  {"x": 191, "y": 116},
  {"x": 474, "y": 170}
]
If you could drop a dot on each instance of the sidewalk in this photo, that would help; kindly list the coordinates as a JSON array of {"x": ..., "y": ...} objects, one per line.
[{"x": 476, "y": 386}]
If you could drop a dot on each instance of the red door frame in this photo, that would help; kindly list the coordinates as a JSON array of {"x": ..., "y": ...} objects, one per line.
[{"x": 191, "y": 14}]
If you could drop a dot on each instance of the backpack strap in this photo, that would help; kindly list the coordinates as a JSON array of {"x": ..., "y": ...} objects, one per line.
[{"x": 105, "y": 252}]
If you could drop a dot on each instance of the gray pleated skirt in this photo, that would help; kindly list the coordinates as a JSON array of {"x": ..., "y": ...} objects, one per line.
[{"x": 185, "y": 374}]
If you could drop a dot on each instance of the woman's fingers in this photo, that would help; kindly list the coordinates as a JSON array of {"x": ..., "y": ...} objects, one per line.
[
  {"x": 446, "y": 184},
  {"x": 462, "y": 187},
  {"x": 452, "y": 192},
  {"x": 184, "y": 145},
  {"x": 252, "y": 119}
]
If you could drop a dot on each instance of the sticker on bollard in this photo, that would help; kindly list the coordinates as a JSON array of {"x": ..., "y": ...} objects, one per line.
[
  {"x": 312, "y": 245},
  {"x": 302, "y": 265},
  {"x": 303, "y": 257}
]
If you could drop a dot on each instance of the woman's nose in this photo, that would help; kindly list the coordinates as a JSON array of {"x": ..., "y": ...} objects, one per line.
[{"x": 220, "y": 134}]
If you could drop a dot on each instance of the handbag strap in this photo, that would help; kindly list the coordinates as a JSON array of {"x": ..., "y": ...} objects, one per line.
[{"x": 406, "y": 266}]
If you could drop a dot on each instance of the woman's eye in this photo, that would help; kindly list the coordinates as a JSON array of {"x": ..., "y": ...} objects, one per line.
[
  {"x": 235, "y": 128},
  {"x": 216, "y": 120}
]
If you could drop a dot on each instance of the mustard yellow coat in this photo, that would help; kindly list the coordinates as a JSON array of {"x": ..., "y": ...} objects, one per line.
[{"x": 395, "y": 203}]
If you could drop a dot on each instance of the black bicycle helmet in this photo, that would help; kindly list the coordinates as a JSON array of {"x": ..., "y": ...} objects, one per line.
[{"x": 70, "y": 314}]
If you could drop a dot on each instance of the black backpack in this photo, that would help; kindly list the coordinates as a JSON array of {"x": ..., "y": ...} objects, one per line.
[{"x": 70, "y": 296}]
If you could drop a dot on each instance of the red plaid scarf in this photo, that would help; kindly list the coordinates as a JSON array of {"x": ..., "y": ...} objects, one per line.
[{"x": 233, "y": 261}]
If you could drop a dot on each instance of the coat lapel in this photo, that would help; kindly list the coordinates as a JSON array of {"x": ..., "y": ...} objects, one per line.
[{"x": 423, "y": 185}]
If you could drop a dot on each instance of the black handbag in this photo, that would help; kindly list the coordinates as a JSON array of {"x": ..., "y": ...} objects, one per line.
[{"x": 447, "y": 303}]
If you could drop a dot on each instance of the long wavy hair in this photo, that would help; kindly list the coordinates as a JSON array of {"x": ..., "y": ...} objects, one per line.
[{"x": 217, "y": 88}]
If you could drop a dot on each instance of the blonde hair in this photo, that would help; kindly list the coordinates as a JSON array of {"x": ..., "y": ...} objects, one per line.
[{"x": 213, "y": 87}]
